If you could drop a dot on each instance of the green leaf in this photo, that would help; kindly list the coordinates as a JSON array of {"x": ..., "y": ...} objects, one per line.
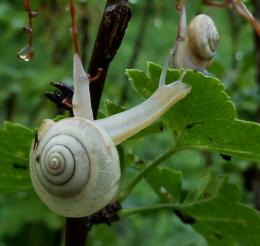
[
  {"x": 23, "y": 208},
  {"x": 15, "y": 142},
  {"x": 140, "y": 81},
  {"x": 157, "y": 127},
  {"x": 212, "y": 186},
  {"x": 226, "y": 220},
  {"x": 219, "y": 216},
  {"x": 166, "y": 183},
  {"x": 206, "y": 118},
  {"x": 113, "y": 108}
]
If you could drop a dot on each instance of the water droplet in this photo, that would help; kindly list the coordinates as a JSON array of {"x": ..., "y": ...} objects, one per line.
[{"x": 26, "y": 53}]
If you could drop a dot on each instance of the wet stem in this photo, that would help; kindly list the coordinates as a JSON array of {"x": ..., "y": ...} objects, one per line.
[{"x": 143, "y": 173}]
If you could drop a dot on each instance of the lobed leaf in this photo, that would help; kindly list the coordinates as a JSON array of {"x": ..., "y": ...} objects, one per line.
[
  {"x": 219, "y": 216},
  {"x": 206, "y": 118}
]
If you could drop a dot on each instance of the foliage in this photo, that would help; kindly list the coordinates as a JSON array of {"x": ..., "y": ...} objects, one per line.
[{"x": 180, "y": 189}]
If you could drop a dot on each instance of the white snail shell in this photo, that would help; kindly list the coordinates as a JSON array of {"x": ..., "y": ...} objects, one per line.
[
  {"x": 202, "y": 38},
  {"x": 74, "y": 163},
  {"x": 74, "y": 167},
  {"x": 197, "y": 49}
]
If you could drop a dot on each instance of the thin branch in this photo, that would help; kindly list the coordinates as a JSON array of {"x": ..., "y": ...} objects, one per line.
[
  {"x": 28, "y": 30},
  {"x": 240, "y": 8},
  {"x": 180, "y": 4},
  {"x": 125, "y": 193},
  {"x": 84, "y": 20},
  {"x": 223, "y": 4},
  {"x": 110, "y": 35},
  {"x": 26, "y": 53},
  {"x": 74, "y": 29}
]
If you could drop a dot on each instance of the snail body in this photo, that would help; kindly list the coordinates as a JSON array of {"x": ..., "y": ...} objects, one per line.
[
  {"x": 197, "y": 44},
  {"x": 74, "y": 163}
]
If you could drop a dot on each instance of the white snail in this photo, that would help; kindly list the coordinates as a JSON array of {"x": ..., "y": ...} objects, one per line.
[
  {"x": 74, "y": 163},
  {"x": 196, "y": 46}
]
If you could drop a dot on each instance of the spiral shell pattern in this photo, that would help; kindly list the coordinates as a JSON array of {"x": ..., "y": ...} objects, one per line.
[
  {"x": 74, "y": 167},
  {"x": 202, "y": 37},
  {"x": 60, "y": 156}
]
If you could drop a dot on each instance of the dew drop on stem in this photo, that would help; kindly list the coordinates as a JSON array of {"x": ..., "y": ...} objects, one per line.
[{"x": 26, "y": 53}]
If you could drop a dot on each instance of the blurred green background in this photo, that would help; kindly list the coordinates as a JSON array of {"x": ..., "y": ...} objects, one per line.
[{"x": 23, "y": 218}]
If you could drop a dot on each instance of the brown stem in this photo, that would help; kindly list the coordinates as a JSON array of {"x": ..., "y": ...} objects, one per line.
[
  {"x": 31, "y": 14},
  {"x": 111, "y": 32},
  {"x": 223, "y": 4},
  {"x": 110, "y": 35},
  {"x": 180, "y": 4},
  {"x": 74, "y": 29},
  {"x": 84, "y": 31},
  {"x": 76, "y": 231},
  {"x": 240, "y": 8}
]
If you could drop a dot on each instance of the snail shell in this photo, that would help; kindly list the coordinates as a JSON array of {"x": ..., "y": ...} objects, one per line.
[
  {"x": 199, "y": 45},
  {"x": 74, "y": 163},
  {"x": 74, "y": 167},
  {"x": 202, "y": 39}
]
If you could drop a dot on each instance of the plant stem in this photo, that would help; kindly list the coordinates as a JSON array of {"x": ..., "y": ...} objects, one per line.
[
  {"x": 125, "y": 193},
  {"x": 75, "y": 231},
  {"x": 217, "y": 4},
  {"x": 131, "y": 211},
  {"x": 111, "y": 32},
  {"x": 28, "y": 9},
  {"x": 74, "y": 29},
  {"x": 112, "y": 29}
]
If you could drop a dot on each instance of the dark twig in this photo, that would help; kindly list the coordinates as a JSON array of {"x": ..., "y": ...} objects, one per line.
[
  {"x": 78, "y": 228},
  {"x": 111, "y": 32},
  {"x": 110, "y": 35},
  {"x": 62, "y": 97},
  {"x": 76, "y": 231}
]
